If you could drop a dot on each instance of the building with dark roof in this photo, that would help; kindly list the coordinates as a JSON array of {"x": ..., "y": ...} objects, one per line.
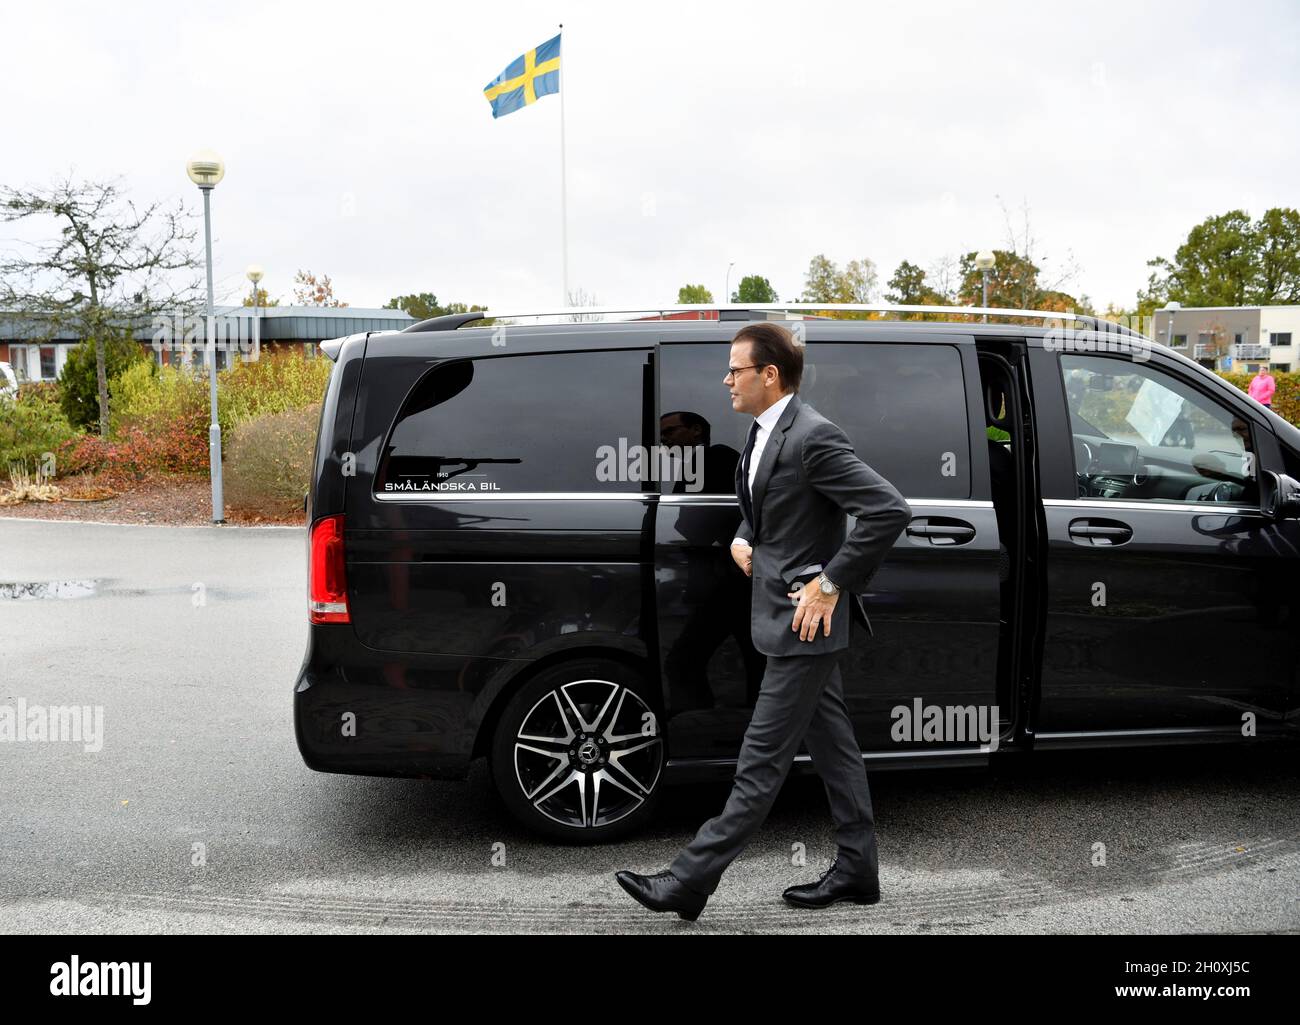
[{"x": 37, "y": 351}]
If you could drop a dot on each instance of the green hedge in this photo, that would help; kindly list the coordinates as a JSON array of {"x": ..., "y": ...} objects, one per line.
[
  {"x": 79, "y": 382},
  {"x": 1286, "y": 400},
  {"x": 32, "y": 424}
]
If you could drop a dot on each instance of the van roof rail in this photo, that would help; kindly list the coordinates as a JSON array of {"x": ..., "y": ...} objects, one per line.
[
  {"x": 739, "y": 311},
  {"x": 447, "y": 322}
]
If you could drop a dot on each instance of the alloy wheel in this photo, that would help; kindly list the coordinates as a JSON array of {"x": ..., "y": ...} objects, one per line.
[{"x": 588, "y": 753}]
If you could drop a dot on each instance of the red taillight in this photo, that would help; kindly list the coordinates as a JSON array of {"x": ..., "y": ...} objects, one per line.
[{"x": 327, "y": 588}]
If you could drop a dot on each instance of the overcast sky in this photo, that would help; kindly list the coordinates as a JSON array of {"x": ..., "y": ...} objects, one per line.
[{"x": 358, "y": 142}]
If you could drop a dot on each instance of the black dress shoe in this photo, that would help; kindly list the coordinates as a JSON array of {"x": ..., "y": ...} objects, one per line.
[
  {"x": 663, "y": 891},
  {"x": 832, "y": 888}
]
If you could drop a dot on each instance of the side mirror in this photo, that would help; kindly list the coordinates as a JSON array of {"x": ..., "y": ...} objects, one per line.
[{"x": 1279, "y": 496}]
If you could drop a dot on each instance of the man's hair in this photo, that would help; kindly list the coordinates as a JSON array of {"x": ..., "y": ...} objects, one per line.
[
  {"x": 690, "y": 419},
  {"x": 773, "y": 344}
]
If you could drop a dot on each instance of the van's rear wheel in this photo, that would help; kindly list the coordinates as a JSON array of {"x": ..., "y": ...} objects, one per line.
[{"x": 579, "y": 752}]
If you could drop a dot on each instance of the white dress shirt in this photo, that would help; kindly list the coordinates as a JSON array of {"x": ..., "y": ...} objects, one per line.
[{"x": 766, "y": 421}]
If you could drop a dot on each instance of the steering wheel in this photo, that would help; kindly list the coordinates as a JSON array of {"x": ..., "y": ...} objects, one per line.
[
  {"x": 1083, "y": 456},
  {"x": 1083, "y": 459}
]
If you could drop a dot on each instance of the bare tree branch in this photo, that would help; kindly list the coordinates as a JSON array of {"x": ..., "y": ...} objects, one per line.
[{"x": 110, "y": 267}]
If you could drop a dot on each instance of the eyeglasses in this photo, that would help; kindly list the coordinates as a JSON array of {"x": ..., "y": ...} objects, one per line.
[{"x": 733, "y": 371}]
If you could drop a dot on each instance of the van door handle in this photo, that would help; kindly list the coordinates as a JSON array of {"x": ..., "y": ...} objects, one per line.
[
  {"x": 941, "y": 530},
  {"x": 1099, "y": 532}
]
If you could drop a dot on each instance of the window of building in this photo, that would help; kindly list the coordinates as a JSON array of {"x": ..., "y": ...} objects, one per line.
[
  {"x": 1179, "y": 340},
  {"x": 1140, "y": 433},
  {"x": 1281, "y": 338},
  {"x": 48, "y": 372},
  {"x": 198, "y": 358},
  {"x": 561, "y": 422},
  {"x": 902, "y": 406}
]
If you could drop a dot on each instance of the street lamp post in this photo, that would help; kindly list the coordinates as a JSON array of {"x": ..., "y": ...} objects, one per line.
[
  {"x": 254, "y": 273},
  {"x": 985, "y": 260},
  {"x": 206, "y": 170},
  {"x": 726, "y": 290},
  {"x": 1172, "y": 307}
]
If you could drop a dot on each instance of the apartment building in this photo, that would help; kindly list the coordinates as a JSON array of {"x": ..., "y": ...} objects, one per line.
[{"x": 1233, "y": 337}]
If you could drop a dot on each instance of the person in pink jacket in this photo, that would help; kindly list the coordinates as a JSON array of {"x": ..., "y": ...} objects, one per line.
[{"x": 1262, "y": 387}]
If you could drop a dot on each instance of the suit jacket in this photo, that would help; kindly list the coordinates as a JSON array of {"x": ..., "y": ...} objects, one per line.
[{"x": 808, "y": 480}]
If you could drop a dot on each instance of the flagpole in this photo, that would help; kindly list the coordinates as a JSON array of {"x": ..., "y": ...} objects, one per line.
[{"x": 564, "y": 185}]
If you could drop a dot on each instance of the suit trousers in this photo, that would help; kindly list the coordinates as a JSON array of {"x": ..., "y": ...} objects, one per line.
[{"x": 801, "y": 698}]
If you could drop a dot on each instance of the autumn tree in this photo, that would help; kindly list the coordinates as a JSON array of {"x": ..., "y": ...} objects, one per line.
[
  {"x": 308, "y": 291},
  {"x": 1015, "y": 281},
  {"x": 111, "y": 266},
  {"x": 262, "y": 299},
  {"x": 1012, "y": 281},
  {"x": 826, "y": 283},
  {"x": 1018, "y": 278}
]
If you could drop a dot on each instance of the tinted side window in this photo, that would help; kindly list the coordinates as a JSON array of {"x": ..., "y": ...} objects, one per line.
[
  {"x": 550, "y": 422},
  {"x": 902, "y": 406},
  {"x": 1140, "y": 433}
]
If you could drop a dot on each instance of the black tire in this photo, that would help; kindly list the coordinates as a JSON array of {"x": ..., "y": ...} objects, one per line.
[{"x": 562, "y": 778}]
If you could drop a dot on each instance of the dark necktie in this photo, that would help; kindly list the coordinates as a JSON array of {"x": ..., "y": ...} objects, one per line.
[{"x": 745, "y": 498}]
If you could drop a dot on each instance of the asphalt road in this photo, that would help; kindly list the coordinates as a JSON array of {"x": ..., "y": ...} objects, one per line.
[{"x": 198, "y": 749}]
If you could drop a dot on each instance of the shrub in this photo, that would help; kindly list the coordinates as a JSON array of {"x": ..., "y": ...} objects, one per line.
[
  {"x": 268, "y": 461},
  {"x": 31, "y": 424},
  {"x": 275, "y": 383},
  {"x": 79, "y": 389},
  {"x": 154, "y": 398},
  {"x": 1286, "y": 400},
  {"x": 136, "y": 454},
  {"x": 160, "y": 414}
]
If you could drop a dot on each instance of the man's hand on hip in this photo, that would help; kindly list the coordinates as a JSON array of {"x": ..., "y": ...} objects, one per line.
[
  {"x": 814, "y": 609},
  {"x": 744, "y": 557}
]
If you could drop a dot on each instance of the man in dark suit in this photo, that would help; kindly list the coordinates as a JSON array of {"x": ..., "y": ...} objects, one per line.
[{"x": 797, "y": 478}]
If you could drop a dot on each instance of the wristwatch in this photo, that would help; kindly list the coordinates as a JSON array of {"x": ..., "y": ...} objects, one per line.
[{"x": 824, "y": 582}]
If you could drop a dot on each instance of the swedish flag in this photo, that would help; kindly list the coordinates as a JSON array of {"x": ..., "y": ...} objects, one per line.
[{"x": 536, "y": 73}]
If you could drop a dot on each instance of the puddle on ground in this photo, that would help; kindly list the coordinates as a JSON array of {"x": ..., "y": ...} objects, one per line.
[
  {"x": 64, "y": 589},
  {"x": 49, "y": 589}
]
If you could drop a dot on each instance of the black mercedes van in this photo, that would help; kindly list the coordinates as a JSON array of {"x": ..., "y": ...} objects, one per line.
[{"x": 519, "y": 550}]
